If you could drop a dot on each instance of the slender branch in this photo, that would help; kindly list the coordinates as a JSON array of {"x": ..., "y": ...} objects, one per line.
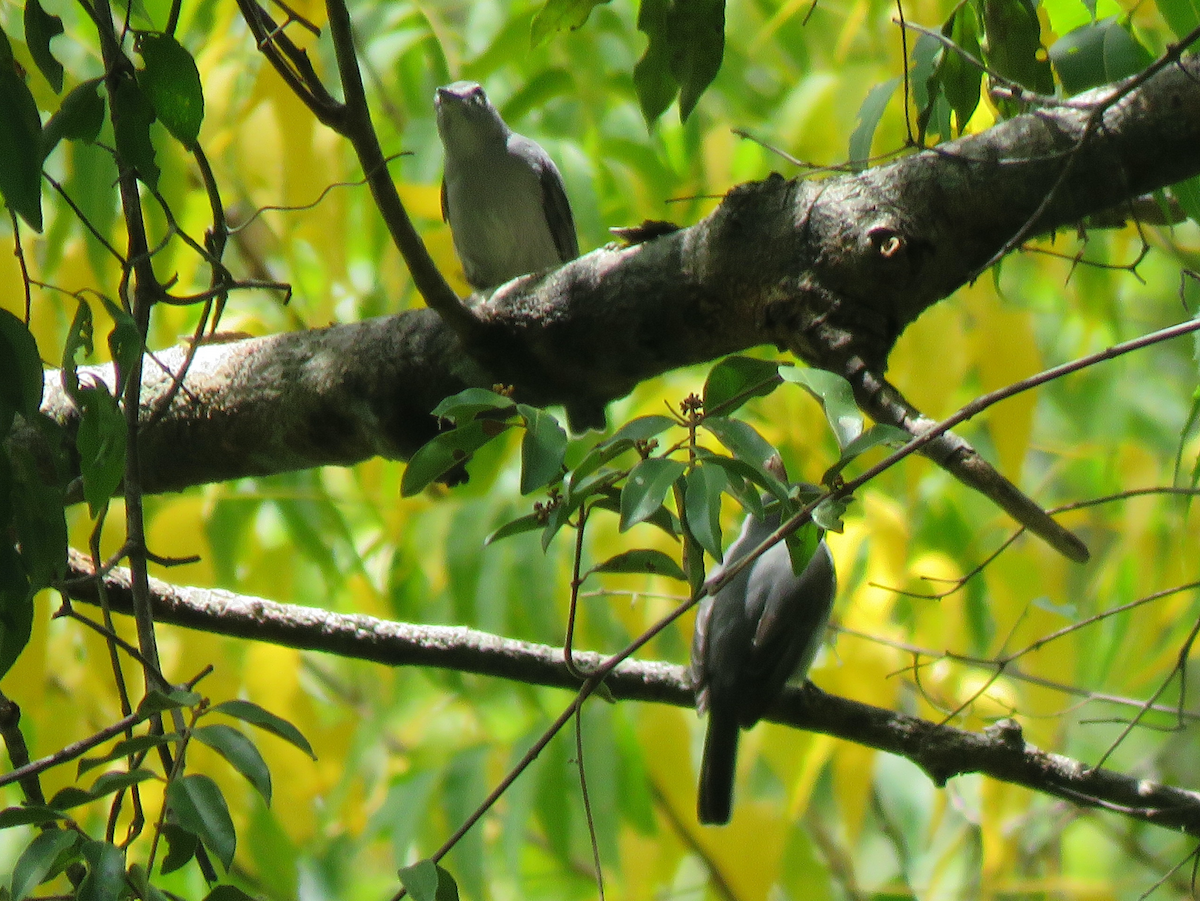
[
  {"x": 75, "y": 749},
  {"x": 361, "y": 133},
  {"x": 942, "y": 751}
]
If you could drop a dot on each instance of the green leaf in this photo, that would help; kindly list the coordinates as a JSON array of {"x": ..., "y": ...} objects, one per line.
[
  {"x": 576, "y": 483},
  {"x": 241, "y": 754},
  {"x": 36, "y": 510},
  {"x": 126, "y": 748},
  {"x": 837, "y": 399},
  {"x": 132, "y": 114},
  {"x": 869, "y": 114},
  {"x": 543, "y": 449},
  {"x": 1124, "y": 54},
  {"x": 743, "y": 481},
  {"x": 696, "y": 35},
  {"x": 735, "y": 380},
  {"x": 530, "y": 522},
  {"x": 447, "y": 888},
  {"x": 576, "y": 491},
  {"x": 466, "y": 405},
  {"x": 535, "y": 94},
  {"x": 652, "y": 79},
  {"x": 1183, "y": 16},
  {"x": 1014, "y": 44},
  {"x": 79, "y": 117},
  {"x": 558, "y": 518},
  {"x": 40, "y": 859},
  {"x": 40, "y": 28},
  {"x": 124, "y": 342},
  {"x": 181, "y": 847},
  {"x": 559, "y": 15},
  {"x": 1188, "y": 194},
  {"x": 742, "y": 440},
  {"x": 249, "y": 712},
  {"x": 802, "y": 544},
  {"x": 101, "y": 441},
  {"x": 20, "y": 143},
  {"x": 642, "y": 560},
  {"x": 143, "y": 888},
  {"x": 105, "y": 879},
  {"x": 641, "y": 429},
  {"x": 66, "y": 798},
  {"x": 703, "y": 488},
  {"x": 960, "y": 78},
  {"x": 446, "y": 451},
  {"x": 1097, "y": 53},
  {"x": 872, "y": 437},
  {"x": 463, "y": 784},
  {"x": 157, "y": 701},
  {"x": 644, "y": 490},
  {"x": 554, "y": 780},
  {"x": 79, "y": 340},
  {"x": 662, "y": 518},
  {"x": 925, "y": 78},
  {"x": 32, "y": 815},
  {"x": 828, "y": 514},
  {"x": 16, "y": 607},
  {"x": 200, "y": 808},
  {"x": 118, "y": 780},
  {"x": 171, "y": 81},
  {"x": 427, "y": 881},
  {"x": 90, "y": 182},
  {"x": 596, "y": 457},
  {"x": 228, "y": 893},
  {"x": 20, "y": 371},
  {"x": 420, "y": 880}
]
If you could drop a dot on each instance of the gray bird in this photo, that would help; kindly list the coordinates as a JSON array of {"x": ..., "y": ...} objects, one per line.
[
  {"x": 506, "y": 204},
  {"x": 751, "y": 637},
  {"x": 502, "y": 194}
]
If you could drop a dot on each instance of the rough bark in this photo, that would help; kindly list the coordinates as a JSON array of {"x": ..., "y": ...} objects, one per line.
[{"x": 833, "y": 270}]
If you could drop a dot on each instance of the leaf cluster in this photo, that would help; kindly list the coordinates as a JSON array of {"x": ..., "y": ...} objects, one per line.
[
  {"x": 195, "y": 820},
  {"x": 671, "y": 471}
]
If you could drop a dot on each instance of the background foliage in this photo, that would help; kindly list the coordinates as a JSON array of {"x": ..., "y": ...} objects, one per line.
[{"x": 404, "y": 755}]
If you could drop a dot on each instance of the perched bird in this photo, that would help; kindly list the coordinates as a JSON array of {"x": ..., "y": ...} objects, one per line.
[
  {"x": 751, "y": 637},
  {"x": 506, "y": 204},
  {"x": 501, "y": 193}
]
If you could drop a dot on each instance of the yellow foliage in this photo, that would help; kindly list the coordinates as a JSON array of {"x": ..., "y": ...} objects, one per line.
[
  {"x": 853, "y": 767},
  {"x": 798, "y": 758},
  {"x": 1005, "y": 350},
  {"x": 648, "y": 861},
  {"x": 852, "y": 28},
  {"x": 943, "y": 326},
  {"x": 172, "y": 531}
]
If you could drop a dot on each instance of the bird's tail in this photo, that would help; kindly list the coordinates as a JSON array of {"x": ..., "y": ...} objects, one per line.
[{"x": 715, "y": 802}]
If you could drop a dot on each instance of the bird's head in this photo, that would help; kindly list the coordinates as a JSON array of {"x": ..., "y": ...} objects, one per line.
[{"x": 466, "y": 119}]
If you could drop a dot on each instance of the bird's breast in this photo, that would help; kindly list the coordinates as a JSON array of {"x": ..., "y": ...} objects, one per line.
[{"x": 498, "y": 220}]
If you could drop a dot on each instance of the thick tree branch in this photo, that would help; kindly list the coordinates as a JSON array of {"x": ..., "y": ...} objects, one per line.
[
  {"x": 832, "y": 270},
  {"x": 943, "y": 752}
]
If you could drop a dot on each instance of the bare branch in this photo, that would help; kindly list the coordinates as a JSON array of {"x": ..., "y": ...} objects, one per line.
[{"x": 943, "y": 752}]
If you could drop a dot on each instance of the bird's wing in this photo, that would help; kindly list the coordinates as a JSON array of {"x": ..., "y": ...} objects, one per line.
[
  {"x": 558, "y": 214},
  {"x": 445, "y": 203},
  {"x": 791, "y": 615},
  {"x": 554, "y": 196}
]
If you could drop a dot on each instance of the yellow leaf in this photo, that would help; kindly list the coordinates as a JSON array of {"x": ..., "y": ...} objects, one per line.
[
  {"x": 1005, "y": 350},
  {"x": 421, "y": 201}
]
